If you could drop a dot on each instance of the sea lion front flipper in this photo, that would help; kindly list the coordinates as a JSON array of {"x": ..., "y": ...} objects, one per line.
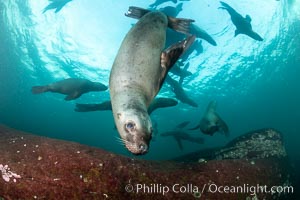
[
  {"x": 136, "y": 12},
  {"x": 254, "y": 36},
  {"x": 200, "y": 33},
  {"x": 58, "y": 9},
  {"x": 248, "y": 18},
  {"x": 222, "y": 126},
  {"x": 170, "y": 55},
  {"x": 73, "y": 96},
  {"x": 236, "y": 32}
]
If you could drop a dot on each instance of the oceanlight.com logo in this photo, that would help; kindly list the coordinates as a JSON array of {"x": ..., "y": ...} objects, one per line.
[
  {"x": 253, "y": 190},
  {"x": 249, "y": 189}
]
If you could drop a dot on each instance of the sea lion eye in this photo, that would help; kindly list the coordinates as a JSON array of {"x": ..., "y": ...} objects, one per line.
[{"x": 129, "y": 126}]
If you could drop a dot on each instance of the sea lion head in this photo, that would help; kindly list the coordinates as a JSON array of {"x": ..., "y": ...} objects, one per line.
[
  {"x": 135, "y": 129},
  {"x": 95, "y": 86}
]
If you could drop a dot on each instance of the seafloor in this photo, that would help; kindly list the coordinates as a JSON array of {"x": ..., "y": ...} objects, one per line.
[{"x": 34, "y": 167}]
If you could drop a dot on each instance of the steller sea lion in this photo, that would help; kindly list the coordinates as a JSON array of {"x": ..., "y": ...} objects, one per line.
[
  {"x": 243, "y": 25},
  {"x": 180, "y": 135},
  {"x": 180, "y": 93},
  {"x": 138, "y": 73},
  {"x": 106, "y": 105},
  {"x": 158, "y": 2},
  {"x": 72, "y": 87},
  {"x": 56, "y": 4},
  {"x": 211, "y": 122}
]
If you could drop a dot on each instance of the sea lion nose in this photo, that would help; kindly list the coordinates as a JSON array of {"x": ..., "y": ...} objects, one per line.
[{"x": 143, "y": 148}]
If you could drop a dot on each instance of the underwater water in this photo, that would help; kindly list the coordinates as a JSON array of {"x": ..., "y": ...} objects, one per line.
[{"x": 256, "y": 84}]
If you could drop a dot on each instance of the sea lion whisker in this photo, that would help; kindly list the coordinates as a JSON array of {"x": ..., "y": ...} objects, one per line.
[{"x": 120, "y": 140}]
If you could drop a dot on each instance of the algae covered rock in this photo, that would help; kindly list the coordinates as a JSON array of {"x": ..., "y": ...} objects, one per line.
[{"x": 43, "y": 168}]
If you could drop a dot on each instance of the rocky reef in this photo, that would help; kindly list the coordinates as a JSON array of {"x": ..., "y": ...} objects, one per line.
[
  {"x": 259, "y": 144},
  {"x": 34, "y": 167}
]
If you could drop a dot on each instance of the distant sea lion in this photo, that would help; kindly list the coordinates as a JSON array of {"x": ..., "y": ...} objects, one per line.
[
  {"x": 56, "y": 4},
  {"x": 72, "y": 87},
  {"x": 158, "y": 2},
  {"x": 243, "y": 25},
  {"x": 155, "y": 104},
  {"x": 180, "y": 135},
  {"x": 138, "y": 73},
  {"x": 181, "y": 72},
  {"x": 211, "y": 122},
  {"x": 171, "y": 10},
  {"x": 180, "y": 93}
]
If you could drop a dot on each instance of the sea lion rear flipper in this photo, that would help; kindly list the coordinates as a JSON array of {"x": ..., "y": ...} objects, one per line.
[
  {"x": 136, "y": 12},
  {"x": 180, "y": 24},
  {"x": 198, "y": 140},
  {"x": 106, "y": 105},
  {"x": 226, "y": 7},
  {"x": 182, "y": 125},
  {"x": 195, "y": 128},
  {"x": 73, "y": 96},
  {"x": 86, "y": 107},
  {"x": 179, "y": 143}
]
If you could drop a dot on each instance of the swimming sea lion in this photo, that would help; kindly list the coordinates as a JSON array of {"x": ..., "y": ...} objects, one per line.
[
  {"x": 180, "y": 93},
  {"x": 106, "y": 105},
  {"x": 180, "y": 135},
  {"x": 171, "y": 10},
  {"x": 158, "y": 2},
  {"x": 56, "y": 4},
  {"x": 243, "y": 25},
  {"x": 138, "y": 73},
  {"x": 72, "y": 87},
  {"x": 181, "y": 72},
  {"x": 211, "y": 122}
]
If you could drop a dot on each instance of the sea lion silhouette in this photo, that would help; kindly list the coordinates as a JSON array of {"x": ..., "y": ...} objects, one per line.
[
  {"x": 72, "y": 87},
  {"x": 242, "y": 24}
]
